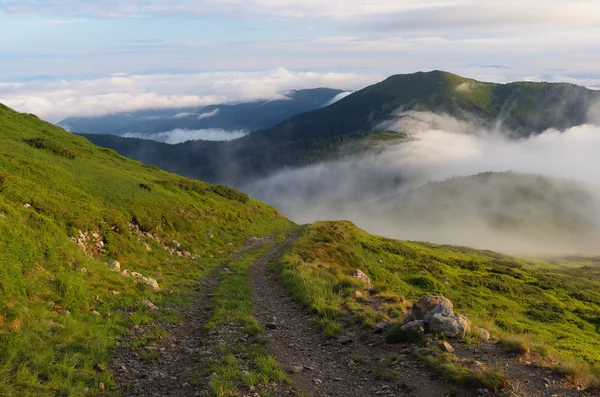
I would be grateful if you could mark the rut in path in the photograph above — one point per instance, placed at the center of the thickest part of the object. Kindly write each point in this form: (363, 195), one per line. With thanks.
(174, 369)
(329, 368)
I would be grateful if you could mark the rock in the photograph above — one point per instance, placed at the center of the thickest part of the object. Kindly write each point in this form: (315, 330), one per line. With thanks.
(297, 369)
(126, 273)
(408, 318)
(358, 294)
(479, 366)
(359, 274)
(95, 235)
(101, 386)
(27, 205)
(451, 326)
(442, 308)
(446, 347)
(380, 327)
(137, 275)
(147, 246)
(95, 313)
(150, 305)
(427, 303)
(482, 333)
(83, 270)
(210, 235)
(113, 292)
(415, 327)
(116, 266)
(344, 340)
(271, 325)
(153, 283)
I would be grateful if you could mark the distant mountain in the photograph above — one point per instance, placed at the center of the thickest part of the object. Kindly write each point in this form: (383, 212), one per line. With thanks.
(522, 108)
(247, 116)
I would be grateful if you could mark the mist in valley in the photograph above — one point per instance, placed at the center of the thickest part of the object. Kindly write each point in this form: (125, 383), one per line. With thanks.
(543, 197)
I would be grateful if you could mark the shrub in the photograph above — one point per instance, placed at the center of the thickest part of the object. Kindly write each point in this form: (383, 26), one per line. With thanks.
(145, 187)
(54, 147)
(397, 335)
(3, 181)
(515, 344)
(229, 193)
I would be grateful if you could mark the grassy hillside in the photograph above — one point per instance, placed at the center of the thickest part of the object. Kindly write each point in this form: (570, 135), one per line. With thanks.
(549, 308)
(67, 206)
(522, 108)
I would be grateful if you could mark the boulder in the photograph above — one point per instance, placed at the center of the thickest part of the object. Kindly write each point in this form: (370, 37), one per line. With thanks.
(427, 303)
(442, 308)
(414, 327)
(362, 276)
(450, 326)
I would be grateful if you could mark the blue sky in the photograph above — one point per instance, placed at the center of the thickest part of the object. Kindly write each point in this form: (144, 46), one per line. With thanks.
(81, 57)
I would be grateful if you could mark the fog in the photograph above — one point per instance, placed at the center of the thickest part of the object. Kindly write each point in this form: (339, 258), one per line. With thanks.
(181, 135)
(382, 191)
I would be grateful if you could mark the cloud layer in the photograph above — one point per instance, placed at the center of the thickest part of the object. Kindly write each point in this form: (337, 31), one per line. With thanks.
(371, 189)
(180, 135)
(56, 100)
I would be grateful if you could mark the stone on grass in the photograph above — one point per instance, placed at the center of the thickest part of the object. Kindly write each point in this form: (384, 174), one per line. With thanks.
(450, 326)
(482, 333)
(414, 327)
(114, 264)
(362, 276)
(427, 303)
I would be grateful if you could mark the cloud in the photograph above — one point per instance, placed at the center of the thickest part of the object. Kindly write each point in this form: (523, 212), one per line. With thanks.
(209, 114)
(181, 135)
(183, 115)
(338, 97)
(373, 188)
(56, 100)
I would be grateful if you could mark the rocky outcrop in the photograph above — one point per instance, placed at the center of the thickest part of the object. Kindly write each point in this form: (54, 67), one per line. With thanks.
(362, 276)
(435, 315)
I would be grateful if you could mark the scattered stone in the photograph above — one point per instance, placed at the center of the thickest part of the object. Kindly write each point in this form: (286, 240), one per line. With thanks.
(317, 381)
(362, 276)
(483, 333)
(137, 275)
(479, 366)
(297, 369)
(151, 283)
(126, 273)
(112, 292)
(150, 305)
(95, 235)
(27, 205)
(83, 270)
(452, 326)
(427, 303)
(271, 325)
(359, 294)
(95, 313)
(101, 386)
(147, 246)
(446, 347)
(415, 327)
(380, 327)
(344, 340)
(116, 266)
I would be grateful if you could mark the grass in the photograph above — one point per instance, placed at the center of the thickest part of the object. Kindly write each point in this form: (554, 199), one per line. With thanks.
(242, 368)
(552, 309)
(54, 184)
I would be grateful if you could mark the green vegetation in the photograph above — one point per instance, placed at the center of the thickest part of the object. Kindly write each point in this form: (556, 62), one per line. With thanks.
(60, 307)
(550, 309)
(243, 367)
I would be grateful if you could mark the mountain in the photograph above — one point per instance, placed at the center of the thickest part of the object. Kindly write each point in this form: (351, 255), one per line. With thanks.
(66, 207)
(247, 116)
(118, 277)
(521, 108)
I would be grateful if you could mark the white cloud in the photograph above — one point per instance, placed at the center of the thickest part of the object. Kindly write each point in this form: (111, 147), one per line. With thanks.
(180, 135)
(56, 100)
(338, 97)
(183, 115)
(209, 114)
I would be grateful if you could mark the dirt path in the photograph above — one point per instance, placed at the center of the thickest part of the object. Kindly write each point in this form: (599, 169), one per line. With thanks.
(169, 366)
(358, 364)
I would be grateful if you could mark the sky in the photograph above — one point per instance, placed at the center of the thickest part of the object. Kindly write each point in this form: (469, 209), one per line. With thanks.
(61, 58)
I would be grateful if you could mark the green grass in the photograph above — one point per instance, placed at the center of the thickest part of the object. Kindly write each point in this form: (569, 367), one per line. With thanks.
(242, 368)
(549, 308)
(54, 184)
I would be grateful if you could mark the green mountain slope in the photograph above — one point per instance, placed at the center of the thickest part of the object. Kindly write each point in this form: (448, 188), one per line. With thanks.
(547, 312)
(67, 206)
(522, 108)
